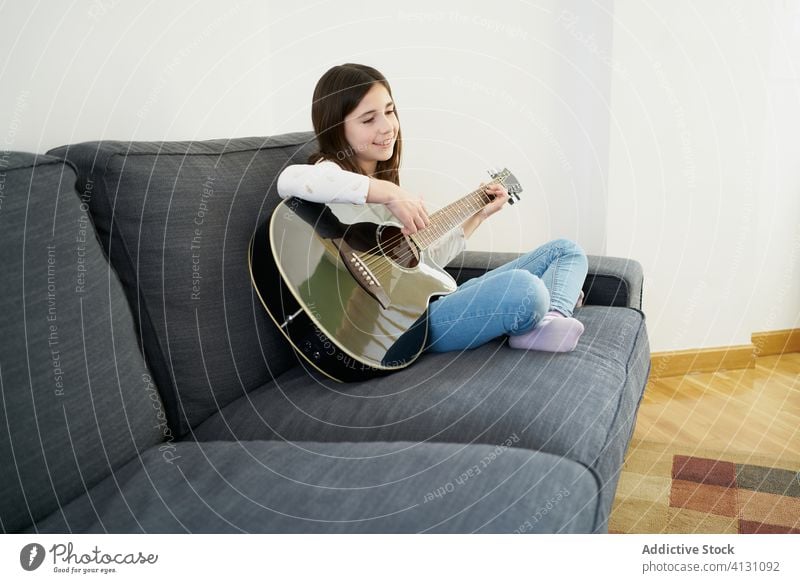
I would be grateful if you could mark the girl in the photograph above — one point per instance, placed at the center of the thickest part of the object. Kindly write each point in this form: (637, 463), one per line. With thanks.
(530, 299)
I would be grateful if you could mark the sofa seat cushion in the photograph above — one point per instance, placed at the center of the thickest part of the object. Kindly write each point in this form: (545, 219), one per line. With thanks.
(279, 487)
(581, 404)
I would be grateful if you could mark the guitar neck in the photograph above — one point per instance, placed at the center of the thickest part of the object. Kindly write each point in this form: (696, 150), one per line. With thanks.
(448, 218)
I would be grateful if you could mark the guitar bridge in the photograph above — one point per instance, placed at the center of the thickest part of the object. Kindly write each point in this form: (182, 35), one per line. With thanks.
(362, 274)
(365, 271)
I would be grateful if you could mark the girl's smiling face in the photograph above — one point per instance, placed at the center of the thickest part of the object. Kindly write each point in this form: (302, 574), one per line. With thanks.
(371, 128)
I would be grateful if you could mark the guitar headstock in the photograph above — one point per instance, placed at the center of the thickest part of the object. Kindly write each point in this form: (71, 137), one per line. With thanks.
(508, 180)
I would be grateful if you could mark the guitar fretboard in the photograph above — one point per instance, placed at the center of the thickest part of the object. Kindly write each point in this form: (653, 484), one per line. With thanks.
(448, 218)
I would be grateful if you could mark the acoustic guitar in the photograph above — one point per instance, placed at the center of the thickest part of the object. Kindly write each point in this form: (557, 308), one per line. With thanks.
(352, 296)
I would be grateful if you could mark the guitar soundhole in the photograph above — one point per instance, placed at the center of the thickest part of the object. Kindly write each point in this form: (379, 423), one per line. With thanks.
(395, 246)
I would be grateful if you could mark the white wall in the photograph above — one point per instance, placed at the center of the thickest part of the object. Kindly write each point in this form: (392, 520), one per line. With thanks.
(688, 168)
(704, 184)
(107, 69)
(95, 69)
(777, 247)
(476, 87)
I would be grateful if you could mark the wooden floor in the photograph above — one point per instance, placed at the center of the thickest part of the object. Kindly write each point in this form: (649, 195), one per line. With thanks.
(741, 411)
(740, 416)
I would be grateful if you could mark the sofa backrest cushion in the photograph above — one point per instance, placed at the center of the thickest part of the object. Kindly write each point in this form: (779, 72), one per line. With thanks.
(77, 400)
(176, 220)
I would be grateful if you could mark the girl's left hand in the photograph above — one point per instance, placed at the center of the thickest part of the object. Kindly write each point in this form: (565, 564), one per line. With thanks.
(500, 195)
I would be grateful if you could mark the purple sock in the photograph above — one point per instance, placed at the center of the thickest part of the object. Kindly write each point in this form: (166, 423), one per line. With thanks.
(553, 333)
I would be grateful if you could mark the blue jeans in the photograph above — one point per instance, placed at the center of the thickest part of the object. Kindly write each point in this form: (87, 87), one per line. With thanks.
(510, 299)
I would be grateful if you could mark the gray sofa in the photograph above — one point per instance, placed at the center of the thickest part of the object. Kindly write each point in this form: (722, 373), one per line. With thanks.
(145, 390)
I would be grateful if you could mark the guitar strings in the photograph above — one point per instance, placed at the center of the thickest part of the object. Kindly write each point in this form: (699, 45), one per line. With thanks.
(371, 253)
(371, 258)
(382, 261)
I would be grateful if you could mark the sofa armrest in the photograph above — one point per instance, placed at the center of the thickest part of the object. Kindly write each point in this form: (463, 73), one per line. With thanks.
(611, 281)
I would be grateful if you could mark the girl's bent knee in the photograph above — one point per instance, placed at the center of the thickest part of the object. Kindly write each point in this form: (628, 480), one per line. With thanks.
(529, 301)
(569, 246)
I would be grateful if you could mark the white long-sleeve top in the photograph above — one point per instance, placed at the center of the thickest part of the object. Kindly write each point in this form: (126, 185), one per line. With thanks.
(327, 182)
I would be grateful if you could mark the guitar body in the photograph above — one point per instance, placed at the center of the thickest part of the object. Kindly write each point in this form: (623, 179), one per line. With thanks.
(351, 298)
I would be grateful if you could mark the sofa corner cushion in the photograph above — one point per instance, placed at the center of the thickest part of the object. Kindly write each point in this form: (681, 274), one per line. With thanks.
(77, 400)
(311, 487)
(176, 220)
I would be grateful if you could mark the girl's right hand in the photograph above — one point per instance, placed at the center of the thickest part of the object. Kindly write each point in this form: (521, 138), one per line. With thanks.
(409, 209)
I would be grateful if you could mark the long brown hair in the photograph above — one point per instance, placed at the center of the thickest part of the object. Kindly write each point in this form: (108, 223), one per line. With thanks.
(338, 92)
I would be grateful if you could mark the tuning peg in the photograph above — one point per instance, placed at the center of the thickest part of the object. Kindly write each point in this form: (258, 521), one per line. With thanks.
(512, 192)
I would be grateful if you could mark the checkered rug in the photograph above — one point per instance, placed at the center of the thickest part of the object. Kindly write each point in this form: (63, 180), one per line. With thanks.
(665, 489)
